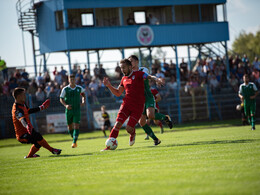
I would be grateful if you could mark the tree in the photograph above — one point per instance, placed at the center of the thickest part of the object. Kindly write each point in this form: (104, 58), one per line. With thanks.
(247, 44)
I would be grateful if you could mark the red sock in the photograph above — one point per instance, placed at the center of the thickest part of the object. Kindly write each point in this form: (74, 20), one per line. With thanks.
(160, 124)
(33, 150)
(114, 133)
(133, 133)
(45, 144)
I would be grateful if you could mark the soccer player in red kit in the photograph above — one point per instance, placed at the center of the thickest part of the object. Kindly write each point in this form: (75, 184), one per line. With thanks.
(133, 103)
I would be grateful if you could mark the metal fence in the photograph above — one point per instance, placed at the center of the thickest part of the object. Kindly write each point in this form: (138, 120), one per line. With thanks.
(182, 107)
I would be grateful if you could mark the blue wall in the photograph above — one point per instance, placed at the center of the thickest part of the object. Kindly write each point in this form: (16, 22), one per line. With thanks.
(89, 38)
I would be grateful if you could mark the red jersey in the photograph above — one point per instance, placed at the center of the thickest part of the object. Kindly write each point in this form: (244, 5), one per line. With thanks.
(155, 92)
(134, 88)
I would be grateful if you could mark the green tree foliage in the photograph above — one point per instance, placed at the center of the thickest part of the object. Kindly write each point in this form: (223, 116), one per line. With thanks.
(247, 44)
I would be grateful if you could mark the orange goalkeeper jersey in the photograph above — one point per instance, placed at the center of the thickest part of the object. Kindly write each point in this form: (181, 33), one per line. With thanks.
(19, 113)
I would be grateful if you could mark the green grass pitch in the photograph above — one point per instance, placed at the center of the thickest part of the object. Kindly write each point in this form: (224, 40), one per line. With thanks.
(192, 159)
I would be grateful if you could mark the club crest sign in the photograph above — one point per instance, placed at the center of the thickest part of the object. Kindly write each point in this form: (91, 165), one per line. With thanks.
(145, 35)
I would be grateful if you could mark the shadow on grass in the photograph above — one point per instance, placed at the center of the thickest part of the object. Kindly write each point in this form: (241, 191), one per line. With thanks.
(212, 142)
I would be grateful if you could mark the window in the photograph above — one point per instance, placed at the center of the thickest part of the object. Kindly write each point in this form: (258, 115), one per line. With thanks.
(59, 20)
(87, 19)
(140, 17)
(208, 13)
(107, 17)
(186, 13)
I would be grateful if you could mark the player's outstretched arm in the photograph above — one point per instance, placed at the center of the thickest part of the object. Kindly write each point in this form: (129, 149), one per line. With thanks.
(158, 81)
(62, 101)
(116, 91)
(44, 106)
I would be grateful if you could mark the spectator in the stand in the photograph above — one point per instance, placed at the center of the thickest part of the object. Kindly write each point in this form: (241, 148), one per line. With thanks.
(5, 88)
(206, 68)
(233, 70)
(58, 78)
(172, 86)
(4, 69)
(224, 79)
(172, 69)
(55, 71)
(160, 74)
(52, 94)
(233, 82)
(184, 70)
(93, 86)
(240, 72)
(40, 95)
(218, 73)
(255, 75)
(130, 20)
(85, 69)
(74, 70)
(118, 71)
(87, 77)
(102, 72)
(237, 60)
(63, 74)
(25, 75)
(245, 60)
(79, 78)
(256, 64)
(32, 87)
(211, 63)
(47, 77)
(165, 68)
(12, 84)
(96, 71)
(39, 79)
(153, 20)
(214, 85)
(17, 75)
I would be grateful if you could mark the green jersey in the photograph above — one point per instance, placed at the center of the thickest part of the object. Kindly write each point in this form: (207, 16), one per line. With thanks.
(72, 97)
(147, 91)
(248, 90)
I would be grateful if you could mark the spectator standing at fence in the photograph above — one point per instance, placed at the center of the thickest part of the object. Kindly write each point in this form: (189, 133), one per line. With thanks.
(24, 130)
(233, 82)
(40, 95)
(32, 87)
(172, 86)
(58, 78)
(256, 64)
(93, 86)
(118, 71)
(55, 71)
(184, 70)
(214, 84)
(72, 97)
(39, 79)
(102, 72)
(247, 93)
(47, 77)
(4, 69)
(25, 75)
(96, 71)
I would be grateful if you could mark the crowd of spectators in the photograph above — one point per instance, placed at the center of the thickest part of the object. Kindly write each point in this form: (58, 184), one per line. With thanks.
(46, 86)
(206, 72)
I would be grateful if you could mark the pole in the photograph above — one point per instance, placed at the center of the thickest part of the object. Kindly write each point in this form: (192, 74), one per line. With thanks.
(34, 56)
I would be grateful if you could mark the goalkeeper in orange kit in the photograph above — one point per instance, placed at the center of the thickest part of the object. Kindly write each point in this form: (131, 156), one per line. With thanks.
(24, 130)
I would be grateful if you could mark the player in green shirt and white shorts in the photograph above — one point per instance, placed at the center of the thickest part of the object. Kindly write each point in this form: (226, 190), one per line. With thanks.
(70, 97)
(247, 93)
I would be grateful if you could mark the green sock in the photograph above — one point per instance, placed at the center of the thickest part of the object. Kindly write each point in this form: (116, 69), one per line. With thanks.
(149, 131)
(252, 121)
(159, 116)
(75, 135)
(70, 132)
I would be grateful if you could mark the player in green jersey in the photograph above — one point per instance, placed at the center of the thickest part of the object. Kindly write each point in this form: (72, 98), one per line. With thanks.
(70, 97)
(247, 93)
(150, 104)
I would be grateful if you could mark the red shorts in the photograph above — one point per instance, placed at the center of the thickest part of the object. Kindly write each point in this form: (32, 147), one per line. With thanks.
(133, 112)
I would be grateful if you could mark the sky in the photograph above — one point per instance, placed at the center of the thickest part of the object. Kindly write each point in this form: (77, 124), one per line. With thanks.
(241, 15)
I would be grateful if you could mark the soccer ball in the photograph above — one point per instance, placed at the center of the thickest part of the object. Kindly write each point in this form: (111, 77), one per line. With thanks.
(238, 107)
(111, 143)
